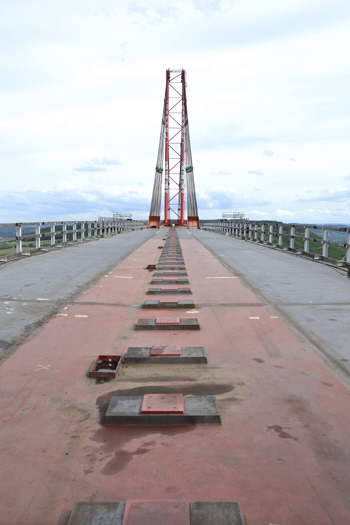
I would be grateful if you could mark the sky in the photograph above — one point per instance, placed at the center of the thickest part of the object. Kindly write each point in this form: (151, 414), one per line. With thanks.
(82, 88)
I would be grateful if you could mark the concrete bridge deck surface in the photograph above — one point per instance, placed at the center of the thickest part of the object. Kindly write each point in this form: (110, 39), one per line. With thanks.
(34, 288)
(283, 448)
(313, 298)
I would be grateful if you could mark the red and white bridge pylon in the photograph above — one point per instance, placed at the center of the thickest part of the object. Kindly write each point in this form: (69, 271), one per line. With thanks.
(174, 153)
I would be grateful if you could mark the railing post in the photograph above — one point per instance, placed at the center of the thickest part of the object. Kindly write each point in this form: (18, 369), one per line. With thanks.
(271, 234)
(280, 235)
(19, 239)
(64, 232)
(324, 243)
(37, 236)
(256, 232)
(307, 240)
(262, 236)
(292, 240)
(82, 232)
(250, 228)
(52, 234)
(348, 248)
(74, 231)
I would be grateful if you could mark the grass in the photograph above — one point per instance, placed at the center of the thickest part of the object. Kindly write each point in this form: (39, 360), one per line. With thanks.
(335, 252)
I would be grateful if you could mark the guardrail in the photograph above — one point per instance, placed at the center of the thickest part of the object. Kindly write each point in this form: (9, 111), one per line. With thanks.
(30, 237)
(328, 243)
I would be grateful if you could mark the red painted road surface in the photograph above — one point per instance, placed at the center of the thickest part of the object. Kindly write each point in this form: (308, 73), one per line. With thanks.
(284, 444)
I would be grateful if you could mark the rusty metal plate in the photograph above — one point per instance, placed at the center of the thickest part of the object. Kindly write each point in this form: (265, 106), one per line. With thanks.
(167, 320)
(166, 351)
(165, 302)
(141, 512)
(163, 404)
(169, 290)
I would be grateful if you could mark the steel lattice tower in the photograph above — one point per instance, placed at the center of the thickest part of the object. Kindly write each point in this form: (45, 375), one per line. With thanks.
(175, 152)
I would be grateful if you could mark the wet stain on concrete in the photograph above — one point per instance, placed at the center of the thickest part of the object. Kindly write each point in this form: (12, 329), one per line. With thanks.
(319, 431)
(113, 439)
(232, 399)
(120, 460)
(278, 366)
(159, 378)
(258, 360)
(281, 433)
(327, 384)
(73, 411)
(112, 445)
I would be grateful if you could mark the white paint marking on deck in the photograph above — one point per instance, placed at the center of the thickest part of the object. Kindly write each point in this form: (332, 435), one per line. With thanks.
(80, 316)
(123, 277)
(65, 308)
(274, 317)
(41, 367)
(9, 313)
(6, 302)
(222, 277)
(192, 312)
(254, 317)
(62, 315)
(42, 299)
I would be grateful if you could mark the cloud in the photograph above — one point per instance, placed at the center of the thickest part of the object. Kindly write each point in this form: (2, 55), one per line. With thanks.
(97, 165)
(292, 159)
(218, 198)
(254, 172)
(151, 12)
(210, 6)
(342, 194)
(222, 172)
(268, 153)
(66, 203)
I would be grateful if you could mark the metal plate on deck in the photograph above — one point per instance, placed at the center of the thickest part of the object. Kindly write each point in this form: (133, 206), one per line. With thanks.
(163, 404)
(167, 320)
(165, 351)
(141, 512)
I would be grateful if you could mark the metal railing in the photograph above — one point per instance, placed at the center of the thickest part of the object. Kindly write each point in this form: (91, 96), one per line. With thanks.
(30, 237)
(328, 243)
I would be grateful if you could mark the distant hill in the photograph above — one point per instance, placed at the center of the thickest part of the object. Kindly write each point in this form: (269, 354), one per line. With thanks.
(10, 231)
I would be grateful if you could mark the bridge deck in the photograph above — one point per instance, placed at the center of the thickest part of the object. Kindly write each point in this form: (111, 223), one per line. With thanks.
(283, 447)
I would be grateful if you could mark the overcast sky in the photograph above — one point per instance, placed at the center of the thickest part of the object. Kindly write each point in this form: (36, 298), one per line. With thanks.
(82, 87)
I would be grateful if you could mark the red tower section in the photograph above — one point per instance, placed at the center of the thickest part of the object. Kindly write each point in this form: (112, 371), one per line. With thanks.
(175, 149)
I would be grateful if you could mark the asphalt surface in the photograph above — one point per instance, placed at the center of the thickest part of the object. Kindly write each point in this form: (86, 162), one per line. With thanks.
(32, 289)
(313, 298)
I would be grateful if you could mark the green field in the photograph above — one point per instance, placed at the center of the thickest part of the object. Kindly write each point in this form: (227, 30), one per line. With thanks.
(335, 252)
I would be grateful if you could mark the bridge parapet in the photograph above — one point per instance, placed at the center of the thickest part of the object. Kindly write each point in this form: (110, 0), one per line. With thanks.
(24, 238)
(328, 243)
